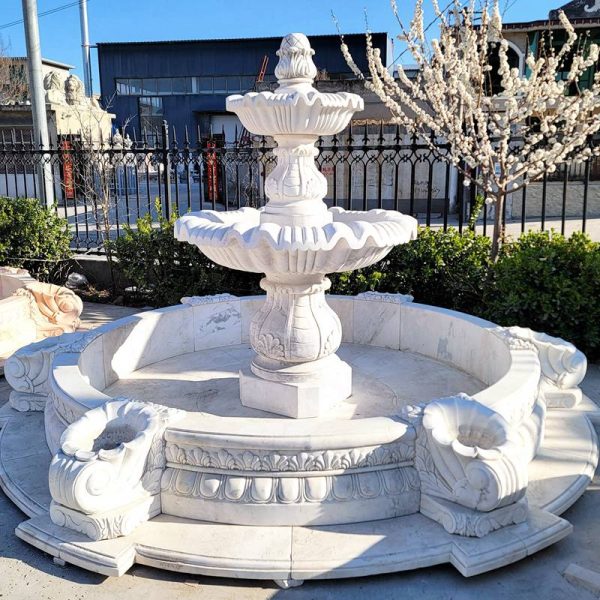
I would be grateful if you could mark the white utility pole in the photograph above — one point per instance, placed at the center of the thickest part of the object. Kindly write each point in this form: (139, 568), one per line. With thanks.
(38, 100)
(85, 48)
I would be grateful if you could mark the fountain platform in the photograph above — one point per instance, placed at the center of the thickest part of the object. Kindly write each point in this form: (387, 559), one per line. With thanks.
(243, 493)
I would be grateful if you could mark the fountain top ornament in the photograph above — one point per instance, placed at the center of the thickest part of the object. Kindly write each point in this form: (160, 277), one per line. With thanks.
(295, 240)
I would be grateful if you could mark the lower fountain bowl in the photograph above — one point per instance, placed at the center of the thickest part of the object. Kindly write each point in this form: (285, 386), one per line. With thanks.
(353, 240)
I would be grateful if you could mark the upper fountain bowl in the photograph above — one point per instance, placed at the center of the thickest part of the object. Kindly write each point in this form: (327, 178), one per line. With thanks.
(296, 107)
(287, 111)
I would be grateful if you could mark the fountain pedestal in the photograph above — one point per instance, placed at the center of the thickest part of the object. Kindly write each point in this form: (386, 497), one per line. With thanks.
(295, 335)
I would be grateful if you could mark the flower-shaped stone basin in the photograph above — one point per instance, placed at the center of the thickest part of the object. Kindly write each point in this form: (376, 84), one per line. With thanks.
(291, 111)
(354, 239)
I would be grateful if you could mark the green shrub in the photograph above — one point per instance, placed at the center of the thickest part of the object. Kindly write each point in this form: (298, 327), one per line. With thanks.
(445, 268)
(164, 270)
(32, 237)
(549, 283)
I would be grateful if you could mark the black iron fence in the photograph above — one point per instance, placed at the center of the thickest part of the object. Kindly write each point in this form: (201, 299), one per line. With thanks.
(103, 186)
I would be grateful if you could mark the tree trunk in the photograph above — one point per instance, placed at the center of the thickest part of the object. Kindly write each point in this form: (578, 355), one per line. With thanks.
(498, 236)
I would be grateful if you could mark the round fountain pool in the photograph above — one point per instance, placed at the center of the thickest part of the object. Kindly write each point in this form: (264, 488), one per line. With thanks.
(228, 490)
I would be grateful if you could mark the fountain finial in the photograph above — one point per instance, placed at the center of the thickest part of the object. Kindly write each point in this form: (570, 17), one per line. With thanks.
(295, 60)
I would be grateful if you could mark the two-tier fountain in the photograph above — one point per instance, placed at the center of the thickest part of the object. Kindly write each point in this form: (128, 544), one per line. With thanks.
(296, 241)
(417, 435)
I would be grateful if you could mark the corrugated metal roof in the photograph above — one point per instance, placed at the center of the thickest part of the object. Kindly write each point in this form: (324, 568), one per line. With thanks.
(546, 24)
(45, 61)
(244, 39)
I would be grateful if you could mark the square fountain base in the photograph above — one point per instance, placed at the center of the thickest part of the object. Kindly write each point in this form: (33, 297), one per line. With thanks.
(302, 400)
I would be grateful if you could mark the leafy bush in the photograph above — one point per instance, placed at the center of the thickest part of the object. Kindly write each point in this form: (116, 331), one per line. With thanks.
(445, 268)
(32, 237)
(549, 283)
(164, 270)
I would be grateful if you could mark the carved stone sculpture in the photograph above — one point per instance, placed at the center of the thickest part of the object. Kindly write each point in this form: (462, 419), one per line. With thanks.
(74, 91)
(31, 310)
(105, 479)
(28, 372)
(469, 460)
(563, 366)
(54, 309)
(54, 85)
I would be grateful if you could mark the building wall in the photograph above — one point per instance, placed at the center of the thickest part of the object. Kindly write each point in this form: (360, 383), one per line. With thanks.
(208, 58)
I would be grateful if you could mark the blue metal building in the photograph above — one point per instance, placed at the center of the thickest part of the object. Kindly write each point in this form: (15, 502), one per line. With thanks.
(186, 82)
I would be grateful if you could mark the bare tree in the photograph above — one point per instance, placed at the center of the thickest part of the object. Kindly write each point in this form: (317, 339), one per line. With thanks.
(504, 129)
(97, 157)
(13, 78)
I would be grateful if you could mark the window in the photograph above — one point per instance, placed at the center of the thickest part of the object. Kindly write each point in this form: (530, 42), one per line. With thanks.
(163, 86)
(170, 86)
(220, 85)
(203, 85)
(181, 85)
(233, 84)
(152, 106)
(247, 83)
(135, 87)
(149, 87)
(122, 87)
(151, 117)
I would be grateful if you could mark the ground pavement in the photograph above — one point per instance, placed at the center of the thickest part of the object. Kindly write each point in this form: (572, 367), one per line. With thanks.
(29, 574)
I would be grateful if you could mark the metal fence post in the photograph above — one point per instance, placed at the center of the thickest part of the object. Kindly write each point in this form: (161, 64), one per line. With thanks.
(166, 162)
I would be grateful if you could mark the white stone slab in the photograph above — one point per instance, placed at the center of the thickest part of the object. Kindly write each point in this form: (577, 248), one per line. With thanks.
(154, 336)
(343, 306)
(582, 577)
(455, 338)
(217, 324)
(377, 323)
(298, 553)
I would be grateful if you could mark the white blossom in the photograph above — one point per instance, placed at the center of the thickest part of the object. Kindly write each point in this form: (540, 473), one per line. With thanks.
(501, 139)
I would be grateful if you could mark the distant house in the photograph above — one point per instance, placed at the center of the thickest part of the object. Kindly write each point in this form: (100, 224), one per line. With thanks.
(15, 109)
(529, 37)
(186, 82)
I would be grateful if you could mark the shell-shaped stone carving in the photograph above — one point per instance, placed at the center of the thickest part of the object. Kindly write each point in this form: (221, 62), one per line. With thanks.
(562, 364)
(295, 107)
(470, 455)
(237, 239)
(102, 457)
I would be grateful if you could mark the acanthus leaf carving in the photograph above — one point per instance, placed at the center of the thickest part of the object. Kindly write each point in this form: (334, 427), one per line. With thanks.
(319, 461)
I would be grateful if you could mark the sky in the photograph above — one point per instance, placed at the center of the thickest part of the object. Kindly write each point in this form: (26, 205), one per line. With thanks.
(137, 20)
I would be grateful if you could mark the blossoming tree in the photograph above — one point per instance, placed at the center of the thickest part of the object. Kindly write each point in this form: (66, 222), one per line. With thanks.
(501, 137)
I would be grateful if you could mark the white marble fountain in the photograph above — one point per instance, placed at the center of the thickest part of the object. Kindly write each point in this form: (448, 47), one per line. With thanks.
(297, 435)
